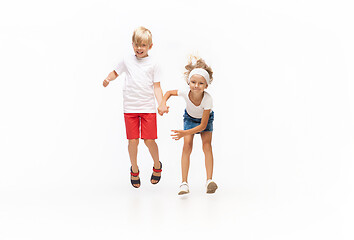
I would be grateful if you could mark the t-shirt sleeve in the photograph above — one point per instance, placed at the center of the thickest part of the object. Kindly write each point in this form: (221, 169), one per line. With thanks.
(181, 93)
(208, 104)
(157, 73)
(120, 67)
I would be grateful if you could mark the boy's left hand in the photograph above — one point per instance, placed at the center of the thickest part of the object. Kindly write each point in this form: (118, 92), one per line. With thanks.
(177, 134)
(162, 109)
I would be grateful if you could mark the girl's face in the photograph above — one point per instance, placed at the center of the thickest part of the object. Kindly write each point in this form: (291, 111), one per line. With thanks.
(198, 83)
(141, 50)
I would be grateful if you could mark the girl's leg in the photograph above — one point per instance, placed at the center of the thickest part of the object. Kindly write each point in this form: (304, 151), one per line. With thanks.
(133, 153)
(208, 152)
(186, 153)
(154, 152)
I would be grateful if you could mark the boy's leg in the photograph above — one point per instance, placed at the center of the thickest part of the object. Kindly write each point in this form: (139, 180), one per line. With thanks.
(186, 153)
(149, 134)
(132, 122)
(133, 153)
(208, 152)
(154, 152)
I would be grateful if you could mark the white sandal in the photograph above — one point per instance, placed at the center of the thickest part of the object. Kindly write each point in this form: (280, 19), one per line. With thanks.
(183, 189)
(211, 186)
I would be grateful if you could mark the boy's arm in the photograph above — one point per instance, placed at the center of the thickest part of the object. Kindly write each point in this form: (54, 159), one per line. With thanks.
(162, 107)
(177, 134)
(158, 92)
(111, 76)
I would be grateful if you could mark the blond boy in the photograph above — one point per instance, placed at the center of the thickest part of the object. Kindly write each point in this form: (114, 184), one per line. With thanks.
(141, 87)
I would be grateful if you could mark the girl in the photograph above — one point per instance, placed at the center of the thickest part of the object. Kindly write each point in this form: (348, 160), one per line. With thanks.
(198, 119)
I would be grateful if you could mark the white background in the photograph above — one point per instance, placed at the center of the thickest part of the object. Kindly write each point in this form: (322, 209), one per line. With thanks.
(283, 131)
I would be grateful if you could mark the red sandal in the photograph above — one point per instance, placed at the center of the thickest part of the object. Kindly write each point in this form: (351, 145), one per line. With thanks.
(134, 181)
(157, 178)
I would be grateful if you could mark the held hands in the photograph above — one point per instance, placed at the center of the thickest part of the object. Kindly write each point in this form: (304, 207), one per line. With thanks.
(106, 82)
(163, 109)
(177, 134)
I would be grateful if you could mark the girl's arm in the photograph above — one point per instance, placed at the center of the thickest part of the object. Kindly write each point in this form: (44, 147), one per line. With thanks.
(111, 76)
(168, 94)
(162, 107)
(177, 134)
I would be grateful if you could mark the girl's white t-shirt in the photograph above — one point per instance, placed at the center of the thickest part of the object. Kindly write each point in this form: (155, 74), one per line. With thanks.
(193, 110)
(138, 89)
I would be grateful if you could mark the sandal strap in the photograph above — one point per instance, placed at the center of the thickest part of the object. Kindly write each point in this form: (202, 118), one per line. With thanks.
(135, 181)
(153, 177)
(133, 173)
(157, 170)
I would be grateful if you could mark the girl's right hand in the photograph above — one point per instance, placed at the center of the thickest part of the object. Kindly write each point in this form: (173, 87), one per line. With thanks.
(105, 82)
(178, 134)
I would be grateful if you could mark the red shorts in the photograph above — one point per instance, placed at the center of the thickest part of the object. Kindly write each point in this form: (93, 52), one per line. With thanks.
(141, 122)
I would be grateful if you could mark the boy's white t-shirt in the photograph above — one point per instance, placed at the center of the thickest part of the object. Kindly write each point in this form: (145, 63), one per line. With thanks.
(138, 89)
(193, 110)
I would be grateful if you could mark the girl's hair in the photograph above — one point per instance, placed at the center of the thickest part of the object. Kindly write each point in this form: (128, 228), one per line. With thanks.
(142, 35)
(197, 62)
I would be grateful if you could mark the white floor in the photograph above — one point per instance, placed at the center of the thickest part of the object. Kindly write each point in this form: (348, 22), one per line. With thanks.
(118, 211)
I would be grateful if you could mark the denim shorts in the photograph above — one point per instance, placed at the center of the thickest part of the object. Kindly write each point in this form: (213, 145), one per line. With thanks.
(191, 122)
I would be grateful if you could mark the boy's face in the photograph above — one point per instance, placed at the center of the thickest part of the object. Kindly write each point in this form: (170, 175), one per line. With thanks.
(141, 50)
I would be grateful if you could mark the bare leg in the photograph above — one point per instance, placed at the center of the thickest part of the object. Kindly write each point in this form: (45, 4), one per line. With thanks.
(208, 152)
(186, 153)
(154, 152)
(133, 153)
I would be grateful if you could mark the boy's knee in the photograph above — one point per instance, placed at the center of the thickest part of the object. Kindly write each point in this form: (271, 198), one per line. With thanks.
(149, 142)
(134, 142)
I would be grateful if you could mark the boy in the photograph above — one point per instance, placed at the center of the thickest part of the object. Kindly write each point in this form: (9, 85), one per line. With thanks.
(142, 82)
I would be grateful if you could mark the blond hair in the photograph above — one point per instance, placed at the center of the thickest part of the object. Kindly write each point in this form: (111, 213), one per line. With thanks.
(197, 62)
(142, 35)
